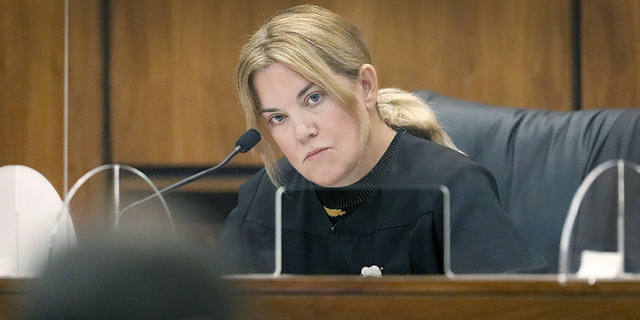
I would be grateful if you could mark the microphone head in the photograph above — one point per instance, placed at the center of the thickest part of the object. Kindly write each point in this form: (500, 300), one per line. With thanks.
(248, 140)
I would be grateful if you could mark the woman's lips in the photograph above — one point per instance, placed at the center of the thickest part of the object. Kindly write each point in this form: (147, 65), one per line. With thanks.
(315, 153)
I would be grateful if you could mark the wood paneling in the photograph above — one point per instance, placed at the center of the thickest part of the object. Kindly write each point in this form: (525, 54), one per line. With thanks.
(31, 96)
(85, 88)
(174, 100)
(611, 54)
(409, 297)
(32, 83)
(429, 297)
(85, 112)
(512, 53)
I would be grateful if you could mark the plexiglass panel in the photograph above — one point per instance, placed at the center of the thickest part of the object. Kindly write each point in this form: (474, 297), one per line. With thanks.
(600, 238)
(396, 230)
(98, 194)
(482, 240)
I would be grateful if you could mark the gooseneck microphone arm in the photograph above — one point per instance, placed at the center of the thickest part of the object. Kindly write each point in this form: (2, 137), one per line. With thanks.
(245, 143)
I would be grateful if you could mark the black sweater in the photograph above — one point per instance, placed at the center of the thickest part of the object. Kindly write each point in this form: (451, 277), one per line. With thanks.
(400, 227)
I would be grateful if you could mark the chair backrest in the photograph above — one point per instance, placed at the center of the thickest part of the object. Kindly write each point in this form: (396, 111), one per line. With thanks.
(539, 157)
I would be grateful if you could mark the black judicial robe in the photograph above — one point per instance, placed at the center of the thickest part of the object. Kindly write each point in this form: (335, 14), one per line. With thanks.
(399, 227)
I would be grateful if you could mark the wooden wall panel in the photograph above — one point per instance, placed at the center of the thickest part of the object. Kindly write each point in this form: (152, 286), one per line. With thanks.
(85, 88)
(174, 100)
(85, 113)
(513, 53)
(172, 70)
(32, 81)
(31, 46)
(611, 54)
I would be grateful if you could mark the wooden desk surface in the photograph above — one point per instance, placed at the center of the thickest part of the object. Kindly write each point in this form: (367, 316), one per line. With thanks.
(411, 297)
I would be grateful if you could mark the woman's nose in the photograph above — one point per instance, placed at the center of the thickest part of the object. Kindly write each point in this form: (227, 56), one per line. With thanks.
(305, 129)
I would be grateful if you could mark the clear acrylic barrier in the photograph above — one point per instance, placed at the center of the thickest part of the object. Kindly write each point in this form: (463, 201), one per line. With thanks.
(301, 237)
(97, 197)
(600, 238)
(254, 249)
(481, 241)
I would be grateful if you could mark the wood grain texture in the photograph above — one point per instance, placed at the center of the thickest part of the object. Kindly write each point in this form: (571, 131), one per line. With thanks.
(85, 113)
(428, 297)
(32, 82)
(512, 53)
(173, 93)
(611, 53)
(85, 88)
(174, 100)
(31, 94)
(410, 297)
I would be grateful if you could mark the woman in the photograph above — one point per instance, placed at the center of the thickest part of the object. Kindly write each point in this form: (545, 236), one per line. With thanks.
(368, 159)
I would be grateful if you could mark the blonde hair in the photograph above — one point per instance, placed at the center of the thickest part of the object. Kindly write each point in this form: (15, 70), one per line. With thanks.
(322, 47)
(403, 110)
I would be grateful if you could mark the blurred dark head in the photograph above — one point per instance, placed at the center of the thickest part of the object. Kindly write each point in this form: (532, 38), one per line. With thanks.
(129, 279)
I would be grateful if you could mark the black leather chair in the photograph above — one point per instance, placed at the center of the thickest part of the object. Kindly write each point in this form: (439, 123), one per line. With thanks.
(539, 157)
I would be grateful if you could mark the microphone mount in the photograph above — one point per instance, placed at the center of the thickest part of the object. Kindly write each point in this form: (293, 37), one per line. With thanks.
(245, 143)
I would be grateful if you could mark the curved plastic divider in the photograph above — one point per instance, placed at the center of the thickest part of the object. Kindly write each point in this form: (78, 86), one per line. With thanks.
(278, 224)
(277, 272)
(64, 211)
(567, 230)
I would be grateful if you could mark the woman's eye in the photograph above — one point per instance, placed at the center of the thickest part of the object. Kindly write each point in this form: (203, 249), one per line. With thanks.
(276, 119)
(315, 97)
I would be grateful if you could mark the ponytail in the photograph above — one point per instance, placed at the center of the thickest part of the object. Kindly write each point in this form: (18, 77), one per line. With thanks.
(403, 110)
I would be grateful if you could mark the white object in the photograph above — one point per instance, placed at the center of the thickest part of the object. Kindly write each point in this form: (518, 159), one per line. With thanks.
(373, 271)
(589, 258)
(600, 265)
(29, 206)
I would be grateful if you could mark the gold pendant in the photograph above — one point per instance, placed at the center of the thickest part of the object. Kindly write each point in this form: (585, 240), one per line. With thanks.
(334, 212)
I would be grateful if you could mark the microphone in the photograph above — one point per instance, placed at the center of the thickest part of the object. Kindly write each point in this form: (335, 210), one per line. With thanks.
(246, 142)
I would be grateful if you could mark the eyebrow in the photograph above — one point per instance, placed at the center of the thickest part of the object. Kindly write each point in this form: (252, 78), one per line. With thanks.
(300, 94)
(269, 110)
(305, 89)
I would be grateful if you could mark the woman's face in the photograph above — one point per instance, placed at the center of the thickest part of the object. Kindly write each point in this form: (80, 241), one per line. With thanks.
(319, 138)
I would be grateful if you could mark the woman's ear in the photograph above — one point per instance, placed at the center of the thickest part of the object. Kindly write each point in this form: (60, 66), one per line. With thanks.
(369, 83)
